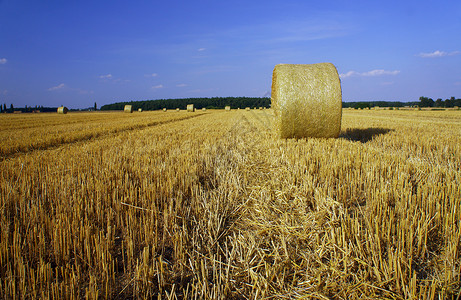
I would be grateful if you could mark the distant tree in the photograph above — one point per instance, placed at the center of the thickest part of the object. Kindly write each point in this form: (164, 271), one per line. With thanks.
(4, 107)
(95, 106)
(426, 102)
(11, 108)
(1, 108)
(439, 103)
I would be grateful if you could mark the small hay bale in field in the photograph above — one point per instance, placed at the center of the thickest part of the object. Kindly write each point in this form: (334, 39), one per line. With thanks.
(247, 108)
(227, 108)
(306, 100)
(62, 110)
(177, 109)
(190, 107)
(164, 109)
(260, 108)
(140, 109)
(204, 108)
(128, 109)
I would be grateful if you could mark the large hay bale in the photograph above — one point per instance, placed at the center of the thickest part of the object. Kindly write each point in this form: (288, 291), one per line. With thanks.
(62, 110)
(190, 107)
(128, 109)
(306, 100)
(227, 108)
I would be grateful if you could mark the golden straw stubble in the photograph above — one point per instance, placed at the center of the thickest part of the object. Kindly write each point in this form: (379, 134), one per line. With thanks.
(306, 100)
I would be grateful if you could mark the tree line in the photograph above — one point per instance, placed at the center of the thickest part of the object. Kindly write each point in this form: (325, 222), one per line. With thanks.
(199, 103)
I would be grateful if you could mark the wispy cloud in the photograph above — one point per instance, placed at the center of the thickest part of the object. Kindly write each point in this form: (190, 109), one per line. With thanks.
(378, 72)
(201, 49)
(438, 53)
(181, 85)
(151, 75)
(3, 61)
(157, 86)
(58, 87)
(107, 76)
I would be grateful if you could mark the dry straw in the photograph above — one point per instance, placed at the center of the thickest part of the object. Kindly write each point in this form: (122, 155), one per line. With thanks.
(62, 110)
(227, 108)
(128, 109)
(247, 108)
(306, 100)
(204, 108)
(140, 109)
(164, 109)
(190, 107)
(177, 109)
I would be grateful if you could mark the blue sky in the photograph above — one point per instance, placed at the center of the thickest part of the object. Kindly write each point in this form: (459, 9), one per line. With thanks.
(75, 53)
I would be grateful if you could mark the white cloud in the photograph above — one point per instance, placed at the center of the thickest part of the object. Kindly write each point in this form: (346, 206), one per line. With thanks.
(201, 49)
(58, 87)
(151, 75)
(3, 61)
(438, 53)
(158, 86)
(181, 85)
(108, 76)
(378, 72)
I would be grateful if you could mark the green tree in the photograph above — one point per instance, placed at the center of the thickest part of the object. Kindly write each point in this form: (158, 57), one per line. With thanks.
(95, 106)
(439, 103)
(11, 108)
(426, 102)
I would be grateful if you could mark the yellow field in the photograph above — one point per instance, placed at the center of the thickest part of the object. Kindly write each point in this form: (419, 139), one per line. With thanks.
(209, 205)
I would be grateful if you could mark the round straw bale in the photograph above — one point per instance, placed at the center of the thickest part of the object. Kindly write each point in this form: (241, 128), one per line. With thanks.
(140, 109)
(128, 109)
(62, 110)
(164, 109)
(227, 108)
(204, 108)
(177, 109)
(190, 107)
(306, 100)
(247, 108)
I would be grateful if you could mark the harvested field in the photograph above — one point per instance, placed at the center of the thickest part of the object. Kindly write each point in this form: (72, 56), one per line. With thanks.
(213, 206)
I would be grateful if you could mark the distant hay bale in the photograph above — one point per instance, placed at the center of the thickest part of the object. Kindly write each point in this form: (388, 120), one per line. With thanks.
(247, 108)
(140, 109)
(128, 109)
(260, 108)
(177, 109)
(227, 108)
(190, 107)
(62, 110)
(164, 109)
(204, 108)
(306, 100)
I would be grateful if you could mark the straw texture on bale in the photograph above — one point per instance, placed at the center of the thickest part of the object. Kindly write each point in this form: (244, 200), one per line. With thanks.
(128, 109)
(306, 100)
(227, 108)
(62, 110)
(190, 107)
